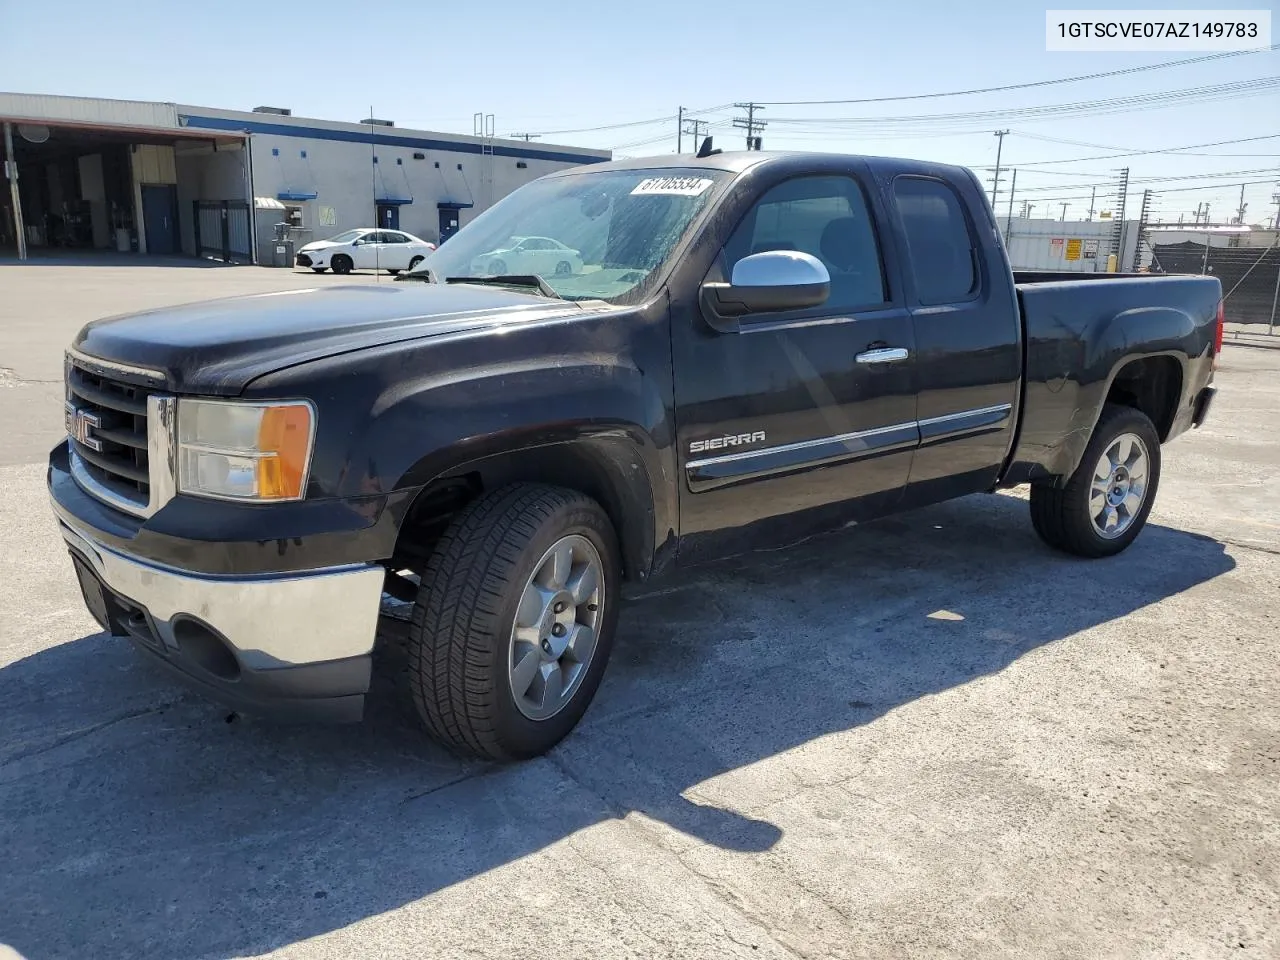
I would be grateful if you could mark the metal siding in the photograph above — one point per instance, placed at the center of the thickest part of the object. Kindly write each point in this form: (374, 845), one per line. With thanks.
(343, 176)
(320, 130)
(1029, 243)
(35, 106)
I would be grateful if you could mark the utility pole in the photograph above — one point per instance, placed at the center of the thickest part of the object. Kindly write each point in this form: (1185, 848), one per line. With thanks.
(1093, 193)
(11, 168)
(1000, 135)
(696, 128)
(750, 124)
(1008, 220)
(1030, 208)
(1063, 218)
(1241, 209)
(680, 130)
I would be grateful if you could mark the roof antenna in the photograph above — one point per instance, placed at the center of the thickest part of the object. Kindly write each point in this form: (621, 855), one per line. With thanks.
(705, 150)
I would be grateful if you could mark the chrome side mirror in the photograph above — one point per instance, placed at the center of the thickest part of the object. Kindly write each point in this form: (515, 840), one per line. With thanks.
(767, 282)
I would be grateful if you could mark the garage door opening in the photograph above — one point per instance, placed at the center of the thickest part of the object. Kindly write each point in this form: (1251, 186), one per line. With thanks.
(86, 188)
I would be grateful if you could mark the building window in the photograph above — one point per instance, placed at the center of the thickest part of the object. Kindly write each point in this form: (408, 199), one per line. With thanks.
(421, 156)
(521, 165)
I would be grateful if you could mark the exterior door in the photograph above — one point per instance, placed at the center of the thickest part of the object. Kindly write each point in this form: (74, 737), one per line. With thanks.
(389, 216)
(160, 217)
(803, 416)
(448, 223)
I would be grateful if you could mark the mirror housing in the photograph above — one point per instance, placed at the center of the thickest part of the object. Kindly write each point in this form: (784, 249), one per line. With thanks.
(767, 282)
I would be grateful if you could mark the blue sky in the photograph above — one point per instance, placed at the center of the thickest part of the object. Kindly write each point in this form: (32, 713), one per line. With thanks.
(572, 64)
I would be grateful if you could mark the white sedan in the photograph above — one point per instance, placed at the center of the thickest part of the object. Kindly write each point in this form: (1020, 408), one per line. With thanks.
(542, 256)
(365, 249)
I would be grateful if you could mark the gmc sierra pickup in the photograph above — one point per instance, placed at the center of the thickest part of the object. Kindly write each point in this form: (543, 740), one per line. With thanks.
(685, 357)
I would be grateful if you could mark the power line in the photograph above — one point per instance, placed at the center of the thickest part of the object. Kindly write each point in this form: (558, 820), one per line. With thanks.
(1129, 152)
(1201, 94)
(1018, 86)
(631, 123)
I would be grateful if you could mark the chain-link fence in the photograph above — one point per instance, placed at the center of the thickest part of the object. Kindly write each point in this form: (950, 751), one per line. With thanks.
(1250, 276)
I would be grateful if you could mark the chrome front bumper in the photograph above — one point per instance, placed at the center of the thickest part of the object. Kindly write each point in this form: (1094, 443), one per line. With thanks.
(254, 642)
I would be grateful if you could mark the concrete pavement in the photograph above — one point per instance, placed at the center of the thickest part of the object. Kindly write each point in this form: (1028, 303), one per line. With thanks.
(929, 736)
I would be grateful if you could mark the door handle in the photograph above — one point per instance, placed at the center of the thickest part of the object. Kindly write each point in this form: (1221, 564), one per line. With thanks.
(883, 355)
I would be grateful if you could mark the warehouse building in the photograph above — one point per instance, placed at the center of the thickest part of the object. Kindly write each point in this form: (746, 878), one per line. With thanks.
(165, 178)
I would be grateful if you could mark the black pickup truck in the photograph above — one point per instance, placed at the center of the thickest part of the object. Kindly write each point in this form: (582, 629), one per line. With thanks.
(614, 372)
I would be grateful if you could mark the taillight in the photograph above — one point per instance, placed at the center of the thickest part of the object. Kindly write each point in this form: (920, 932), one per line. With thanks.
(1222, 320)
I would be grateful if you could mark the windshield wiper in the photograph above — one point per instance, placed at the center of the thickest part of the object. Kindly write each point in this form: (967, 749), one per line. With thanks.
(424, 275)
(512, 280)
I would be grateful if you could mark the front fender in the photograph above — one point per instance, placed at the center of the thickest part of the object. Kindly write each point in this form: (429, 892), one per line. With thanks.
(395, 418)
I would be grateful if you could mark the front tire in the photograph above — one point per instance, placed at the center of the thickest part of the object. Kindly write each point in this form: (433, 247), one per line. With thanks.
(1105, 504)
(514, 621)
(341, 264)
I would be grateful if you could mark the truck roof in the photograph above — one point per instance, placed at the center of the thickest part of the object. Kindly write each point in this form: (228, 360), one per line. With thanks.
(737, 161)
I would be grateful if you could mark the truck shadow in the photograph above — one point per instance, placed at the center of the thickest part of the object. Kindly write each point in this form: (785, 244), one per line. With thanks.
(139, 822)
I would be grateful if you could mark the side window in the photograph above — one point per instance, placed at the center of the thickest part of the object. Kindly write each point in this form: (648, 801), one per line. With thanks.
(395, 238)
(939, 242)
(823, 216)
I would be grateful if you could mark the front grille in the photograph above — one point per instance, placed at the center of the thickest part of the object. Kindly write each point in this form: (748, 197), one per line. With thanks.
(304, 260)
(107, 424)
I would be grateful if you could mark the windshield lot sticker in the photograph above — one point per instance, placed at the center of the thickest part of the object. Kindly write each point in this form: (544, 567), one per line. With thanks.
(671, 187)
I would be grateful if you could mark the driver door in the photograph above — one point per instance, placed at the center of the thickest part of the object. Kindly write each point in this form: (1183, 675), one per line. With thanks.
(798, 420)
(367, 253)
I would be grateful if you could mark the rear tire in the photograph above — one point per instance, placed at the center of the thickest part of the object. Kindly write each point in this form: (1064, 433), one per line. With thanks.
(1099, 513)
(498, 268)
(414, 262)
(341, 264)
(467, 649)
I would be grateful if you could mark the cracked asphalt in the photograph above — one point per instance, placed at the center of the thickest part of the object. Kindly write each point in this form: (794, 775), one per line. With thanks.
(925, 737)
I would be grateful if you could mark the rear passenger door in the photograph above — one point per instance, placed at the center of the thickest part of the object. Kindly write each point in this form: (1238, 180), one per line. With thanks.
(395, 250)
(801, 416)
(968, 335)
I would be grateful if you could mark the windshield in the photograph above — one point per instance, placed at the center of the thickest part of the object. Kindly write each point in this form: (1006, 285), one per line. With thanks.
(345, 237)
(590, 236)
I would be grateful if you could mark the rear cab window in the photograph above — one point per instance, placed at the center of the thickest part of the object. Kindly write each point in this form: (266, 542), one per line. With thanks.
(940, 240)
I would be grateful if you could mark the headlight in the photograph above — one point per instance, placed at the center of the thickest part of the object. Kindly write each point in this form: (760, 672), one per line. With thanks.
(234, 450)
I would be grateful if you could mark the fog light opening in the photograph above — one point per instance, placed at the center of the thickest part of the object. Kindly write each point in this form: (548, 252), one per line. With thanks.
(206, 649)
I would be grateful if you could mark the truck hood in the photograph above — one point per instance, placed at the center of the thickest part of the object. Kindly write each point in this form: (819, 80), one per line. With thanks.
(219, 346)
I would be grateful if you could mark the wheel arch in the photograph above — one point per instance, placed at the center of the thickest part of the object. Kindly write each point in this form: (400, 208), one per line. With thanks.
(609, 467)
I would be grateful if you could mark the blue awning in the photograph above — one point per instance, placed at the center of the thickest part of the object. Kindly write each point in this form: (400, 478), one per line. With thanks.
(393, 201)
(296, 195)
(454, 205)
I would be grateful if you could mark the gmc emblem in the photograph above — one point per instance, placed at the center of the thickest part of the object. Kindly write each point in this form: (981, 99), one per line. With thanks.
(80, 427)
